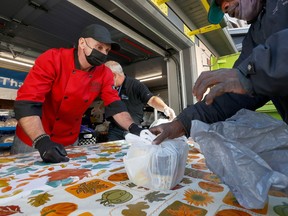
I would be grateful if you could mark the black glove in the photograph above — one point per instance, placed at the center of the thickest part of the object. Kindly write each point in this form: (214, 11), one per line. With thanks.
(50, 152)
(135, 129)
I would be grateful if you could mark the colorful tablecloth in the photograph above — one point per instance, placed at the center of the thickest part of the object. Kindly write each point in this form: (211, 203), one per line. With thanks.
(94, 182)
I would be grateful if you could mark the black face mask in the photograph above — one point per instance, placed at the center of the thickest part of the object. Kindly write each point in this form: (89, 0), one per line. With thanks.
(96, 58)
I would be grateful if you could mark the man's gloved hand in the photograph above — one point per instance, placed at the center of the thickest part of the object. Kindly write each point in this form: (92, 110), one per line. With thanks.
(50, 151)
(169, 112)
(169, 130)
(135, 129)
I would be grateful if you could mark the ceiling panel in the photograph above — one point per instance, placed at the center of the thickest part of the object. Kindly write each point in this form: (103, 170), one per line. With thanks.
(219, 39)
(31, 29)
(28, 28)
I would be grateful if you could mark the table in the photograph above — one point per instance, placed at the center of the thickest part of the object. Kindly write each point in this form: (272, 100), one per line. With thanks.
(94, 182)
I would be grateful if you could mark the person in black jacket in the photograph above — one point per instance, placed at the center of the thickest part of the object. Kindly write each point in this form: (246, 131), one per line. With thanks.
(260, 73)
(135, 95)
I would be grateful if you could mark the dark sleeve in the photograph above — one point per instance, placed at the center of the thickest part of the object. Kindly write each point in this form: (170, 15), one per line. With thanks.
(247, 47)
(222, 108)
(143, 91)
(114, 108)
(27, 108)
(266, 67)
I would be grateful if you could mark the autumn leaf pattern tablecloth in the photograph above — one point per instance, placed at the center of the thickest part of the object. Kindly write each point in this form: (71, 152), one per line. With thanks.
(94, 182)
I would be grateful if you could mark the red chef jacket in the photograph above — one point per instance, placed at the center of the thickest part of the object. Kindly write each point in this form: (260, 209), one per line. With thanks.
(66, 93)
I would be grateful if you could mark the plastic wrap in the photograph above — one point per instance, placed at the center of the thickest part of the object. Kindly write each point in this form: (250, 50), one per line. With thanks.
(248, 152)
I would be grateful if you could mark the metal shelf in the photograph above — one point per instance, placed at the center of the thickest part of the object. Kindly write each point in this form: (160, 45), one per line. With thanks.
(7, 129)
(9, 144)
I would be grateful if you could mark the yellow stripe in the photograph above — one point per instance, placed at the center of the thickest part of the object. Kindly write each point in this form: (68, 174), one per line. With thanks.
(204, 29)
(205, 4)
(186, 32)
(161, 6)
(159, 2)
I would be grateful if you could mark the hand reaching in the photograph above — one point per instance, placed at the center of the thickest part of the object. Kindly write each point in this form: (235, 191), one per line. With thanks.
(219, 81)
(169, 112)
(169, 130)
(135, 129)
(50, 151)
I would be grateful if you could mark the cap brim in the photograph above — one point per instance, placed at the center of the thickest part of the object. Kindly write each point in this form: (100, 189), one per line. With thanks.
(215, 14)
(101, 34)
(115, 46)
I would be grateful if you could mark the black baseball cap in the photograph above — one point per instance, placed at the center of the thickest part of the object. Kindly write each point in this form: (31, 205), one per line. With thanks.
(101, 34)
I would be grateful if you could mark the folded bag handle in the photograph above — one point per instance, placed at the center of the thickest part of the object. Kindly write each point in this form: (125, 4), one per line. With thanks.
(147, 135)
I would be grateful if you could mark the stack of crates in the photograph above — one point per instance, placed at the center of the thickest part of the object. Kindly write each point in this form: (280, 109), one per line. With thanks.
(228, 62)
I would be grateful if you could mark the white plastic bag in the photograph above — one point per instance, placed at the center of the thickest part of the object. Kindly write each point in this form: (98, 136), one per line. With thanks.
(158, 122)
(248, 152)
(158, 167)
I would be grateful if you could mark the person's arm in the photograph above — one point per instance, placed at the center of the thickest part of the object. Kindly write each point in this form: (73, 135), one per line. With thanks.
(28, 107)
(28, 115)
(118, 111)
(49, 151)
(160, 105)
(266, 67)
(32, 126)
(146, 97)
(123, 119)
(263, 72)
(223, 107)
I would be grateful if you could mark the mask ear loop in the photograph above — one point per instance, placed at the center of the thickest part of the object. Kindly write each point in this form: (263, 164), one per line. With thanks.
(87, 44)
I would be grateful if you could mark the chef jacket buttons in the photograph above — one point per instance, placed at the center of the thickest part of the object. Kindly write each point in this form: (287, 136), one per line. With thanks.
(71, 133)
(85, 101)
(65, 97)
(74, 72)
(57, 119)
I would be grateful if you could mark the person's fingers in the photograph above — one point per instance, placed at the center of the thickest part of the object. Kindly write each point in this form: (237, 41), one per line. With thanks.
(57, 158)
(155, 130)
(202, 84)
(51, 157)
(196, 87)
(160, 138)
(214, 92)
(173, 115)
(54, 156)
(160, 132)
(65, 159)
(61, 150)
(200, 79)
(167, 131)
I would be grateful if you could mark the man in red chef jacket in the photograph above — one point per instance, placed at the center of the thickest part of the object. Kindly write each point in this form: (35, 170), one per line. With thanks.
(58, 90)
